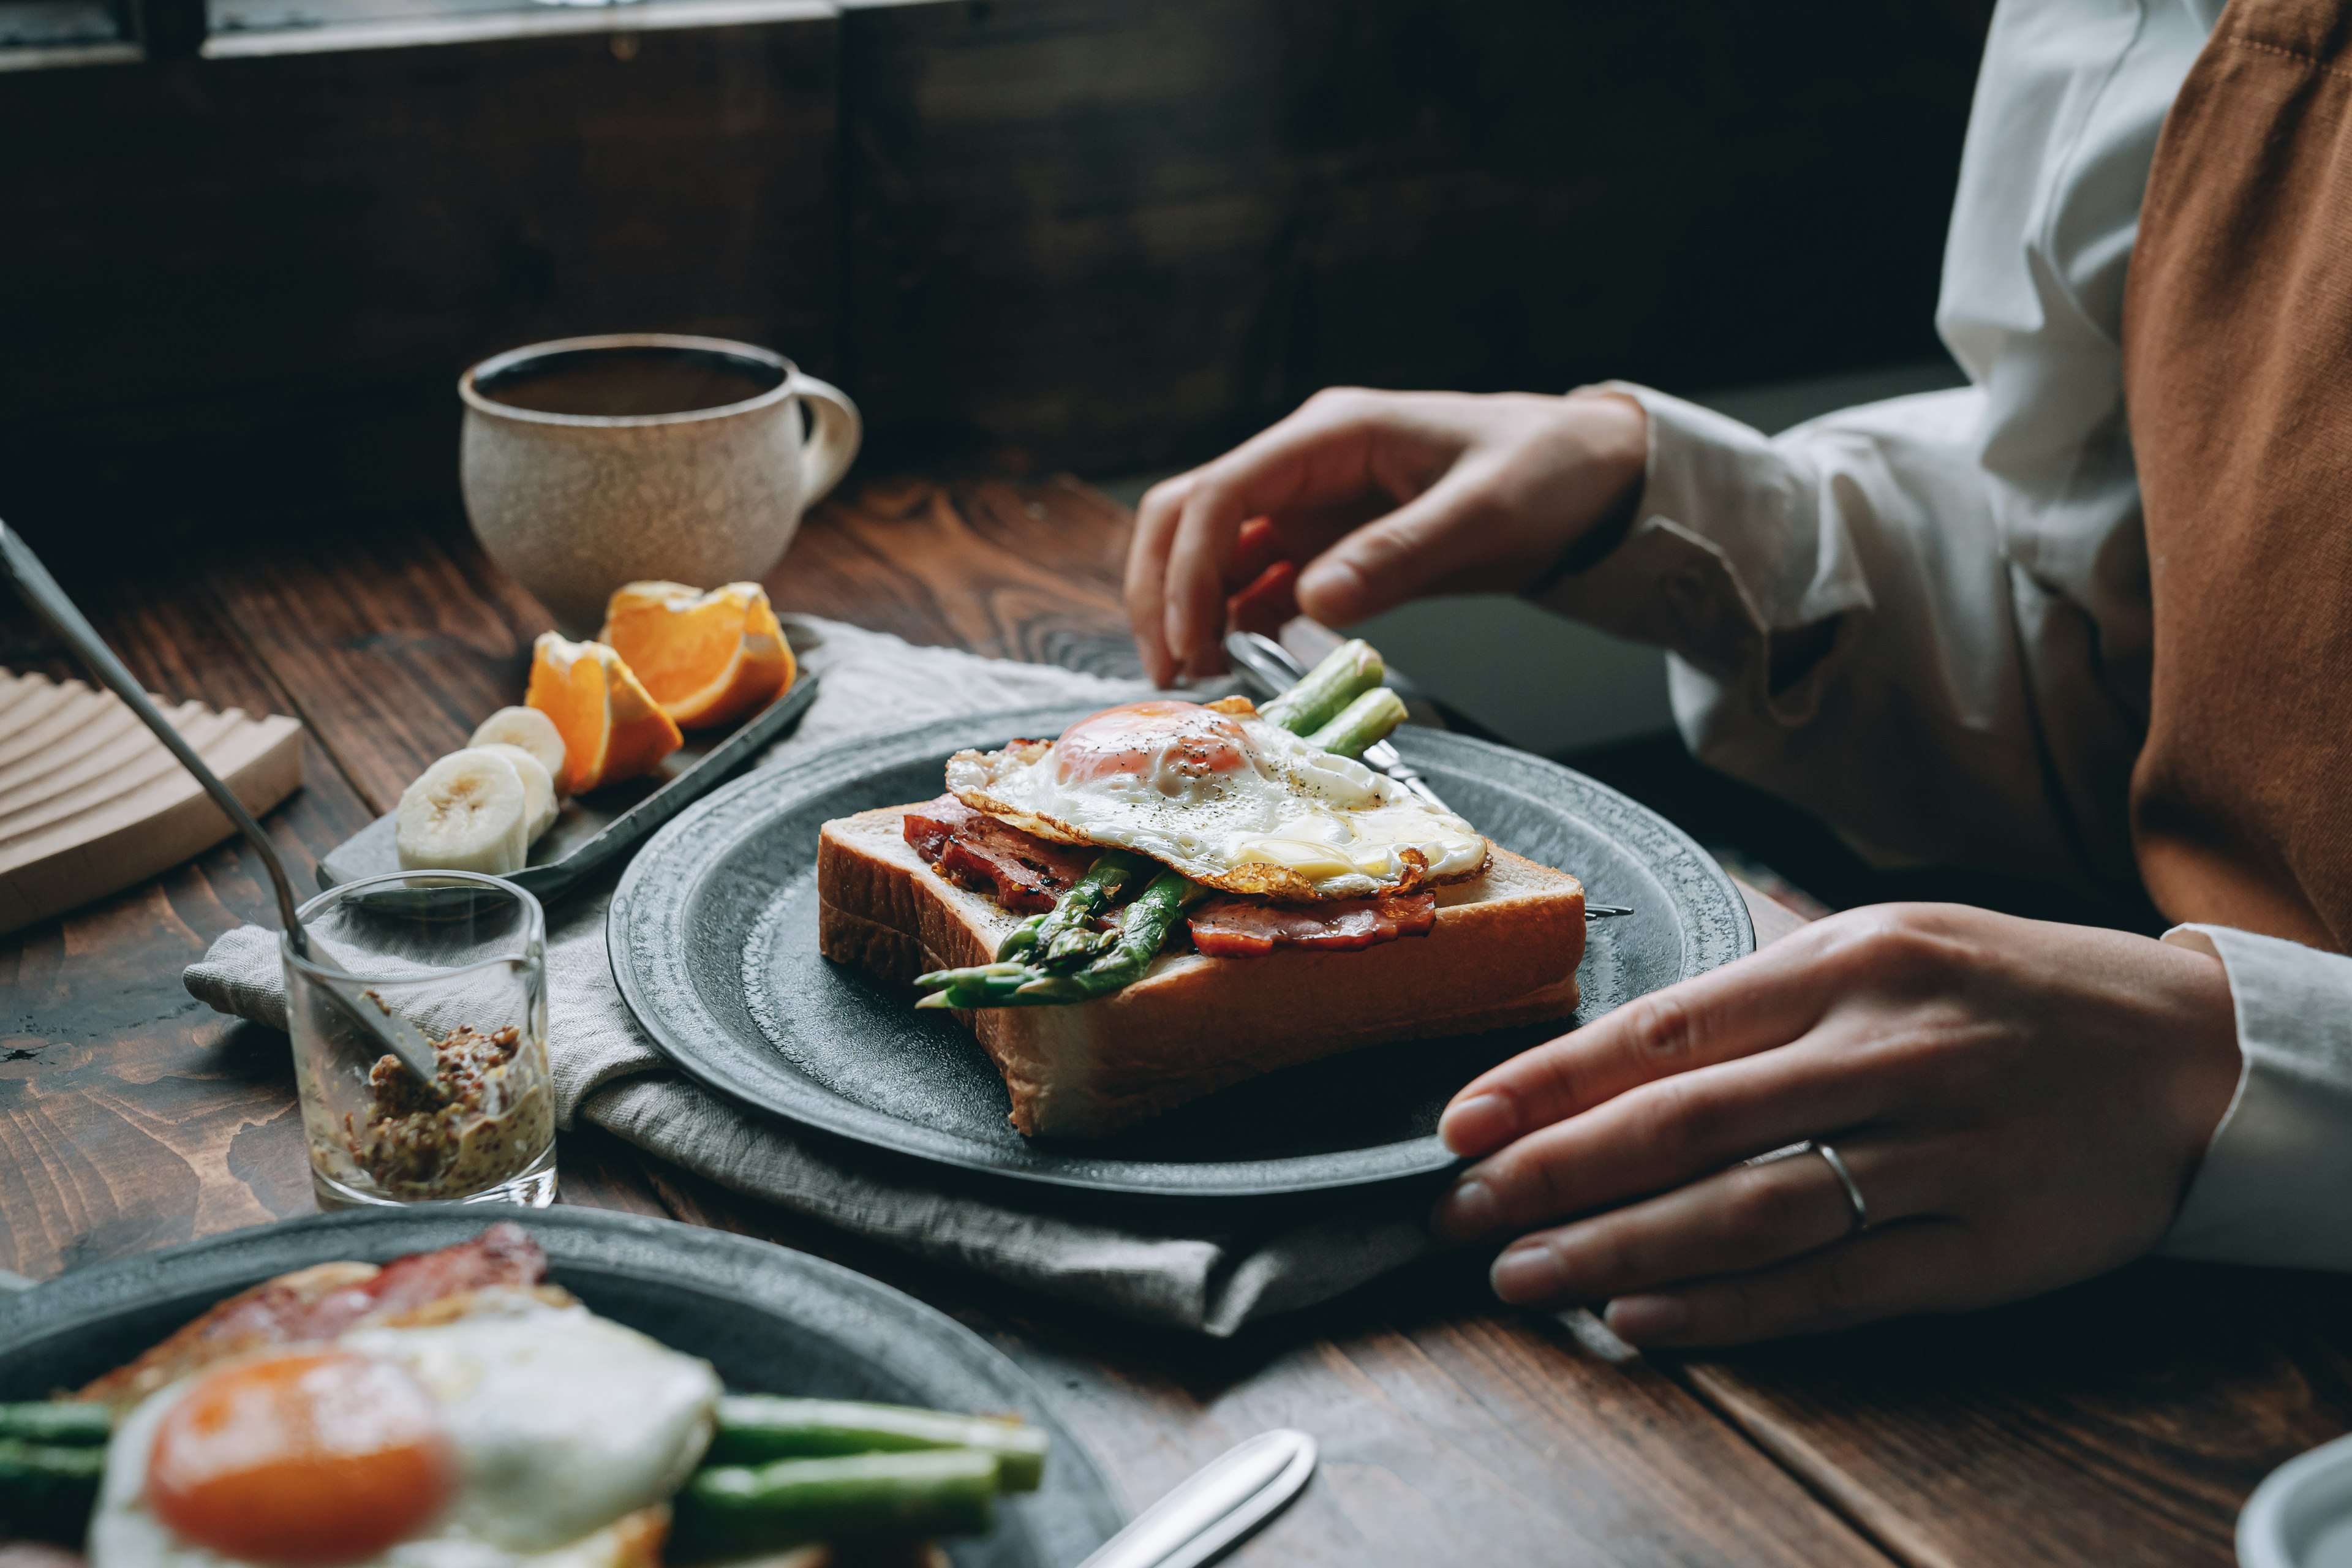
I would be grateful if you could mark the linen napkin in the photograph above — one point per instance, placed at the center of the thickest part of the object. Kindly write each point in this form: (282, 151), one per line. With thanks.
(1206, 1267)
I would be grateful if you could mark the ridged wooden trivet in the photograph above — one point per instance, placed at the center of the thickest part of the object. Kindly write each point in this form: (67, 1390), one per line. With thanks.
(90, 802)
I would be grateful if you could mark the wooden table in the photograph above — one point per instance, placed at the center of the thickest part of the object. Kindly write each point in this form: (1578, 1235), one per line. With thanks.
(2122, 1422)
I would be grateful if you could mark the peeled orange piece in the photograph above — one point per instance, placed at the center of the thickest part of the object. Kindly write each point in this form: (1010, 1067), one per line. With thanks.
(612, 730)
(707, 658)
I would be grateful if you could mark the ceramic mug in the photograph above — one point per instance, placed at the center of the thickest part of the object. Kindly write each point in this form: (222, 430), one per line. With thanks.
(590, 462)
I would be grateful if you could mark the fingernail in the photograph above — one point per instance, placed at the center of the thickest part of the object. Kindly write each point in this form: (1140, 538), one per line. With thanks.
(1477, 1125)
(1330, 590)
(1468, 1211)
(1528, 1273)
(1643, 1318)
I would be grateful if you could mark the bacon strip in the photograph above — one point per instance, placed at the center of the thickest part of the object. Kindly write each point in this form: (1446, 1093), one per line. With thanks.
(321, 1303)
(1249, 928)
(1025, 873)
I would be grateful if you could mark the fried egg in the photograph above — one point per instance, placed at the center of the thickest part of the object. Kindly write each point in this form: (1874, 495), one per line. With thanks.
(523, 1433)
(1226, 797)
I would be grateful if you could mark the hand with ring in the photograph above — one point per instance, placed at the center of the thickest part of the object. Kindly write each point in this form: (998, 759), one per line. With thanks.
(2010, 1106)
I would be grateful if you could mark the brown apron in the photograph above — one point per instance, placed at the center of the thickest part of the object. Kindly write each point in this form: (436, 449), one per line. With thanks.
(2238, 375)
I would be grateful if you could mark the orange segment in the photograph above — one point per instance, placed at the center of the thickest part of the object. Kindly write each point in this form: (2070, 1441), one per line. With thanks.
(707, 659)
(612, 730)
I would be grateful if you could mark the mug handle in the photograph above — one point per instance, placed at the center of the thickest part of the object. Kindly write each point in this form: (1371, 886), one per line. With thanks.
(834, 433)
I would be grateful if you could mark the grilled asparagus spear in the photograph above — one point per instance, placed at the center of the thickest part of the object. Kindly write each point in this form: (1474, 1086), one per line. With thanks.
(1361, 724)
(730, 1511)
(1072, 912)
(1143, 929)
(754, 1428)
(71, 1422)
(1352, 667)
(47, 1490)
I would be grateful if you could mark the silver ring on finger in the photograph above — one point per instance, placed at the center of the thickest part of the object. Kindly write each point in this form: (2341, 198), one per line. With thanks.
(1853, 1188)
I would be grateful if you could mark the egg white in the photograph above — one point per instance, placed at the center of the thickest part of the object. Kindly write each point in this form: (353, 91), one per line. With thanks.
(562, 1423)
(1293, 821)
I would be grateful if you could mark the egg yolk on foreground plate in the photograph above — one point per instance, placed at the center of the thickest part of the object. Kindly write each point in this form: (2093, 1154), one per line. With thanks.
(304, 1459)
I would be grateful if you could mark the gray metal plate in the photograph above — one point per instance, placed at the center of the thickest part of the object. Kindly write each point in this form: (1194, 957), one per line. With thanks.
(593, 828)
(713, 941)
(772, 1321)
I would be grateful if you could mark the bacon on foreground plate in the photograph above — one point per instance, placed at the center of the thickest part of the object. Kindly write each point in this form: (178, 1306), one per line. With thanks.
(1248, 928)
(1023, 872)
(322, 1301)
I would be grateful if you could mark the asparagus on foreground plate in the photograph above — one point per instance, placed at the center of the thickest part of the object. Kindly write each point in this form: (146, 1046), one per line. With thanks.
(779, 1473)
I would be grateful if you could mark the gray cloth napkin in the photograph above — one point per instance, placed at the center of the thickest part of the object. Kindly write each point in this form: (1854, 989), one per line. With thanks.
(1205, 1268)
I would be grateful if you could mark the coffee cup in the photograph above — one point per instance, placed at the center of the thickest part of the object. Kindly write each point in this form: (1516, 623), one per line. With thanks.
(590, 462)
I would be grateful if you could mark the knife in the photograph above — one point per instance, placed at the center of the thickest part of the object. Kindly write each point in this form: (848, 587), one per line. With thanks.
(1271, 666)
(1220, 1503)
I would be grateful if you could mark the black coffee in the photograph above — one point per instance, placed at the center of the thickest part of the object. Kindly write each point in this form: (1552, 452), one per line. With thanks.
(630, 381)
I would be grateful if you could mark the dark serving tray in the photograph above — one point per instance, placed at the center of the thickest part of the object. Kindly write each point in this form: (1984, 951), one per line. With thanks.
(713, 934)
(771, 1320)
(592, 829)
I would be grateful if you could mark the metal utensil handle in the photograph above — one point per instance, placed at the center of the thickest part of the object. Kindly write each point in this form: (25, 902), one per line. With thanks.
(40, 590)
(1215, 1506)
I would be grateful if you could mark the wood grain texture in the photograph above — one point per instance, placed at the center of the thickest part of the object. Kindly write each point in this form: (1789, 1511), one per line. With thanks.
(1451, 1432)
(1013, 570)
(2123, 1421)
(130, 1115)
(1117, 234)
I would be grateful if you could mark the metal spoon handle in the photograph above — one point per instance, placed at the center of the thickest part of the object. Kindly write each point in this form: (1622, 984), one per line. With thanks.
(1215, 1506)
(40, 590)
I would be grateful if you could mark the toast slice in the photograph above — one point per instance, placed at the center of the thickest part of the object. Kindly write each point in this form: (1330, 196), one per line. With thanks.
(1504, 951)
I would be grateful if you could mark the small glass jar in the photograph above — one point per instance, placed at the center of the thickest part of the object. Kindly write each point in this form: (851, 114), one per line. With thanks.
(464, 958)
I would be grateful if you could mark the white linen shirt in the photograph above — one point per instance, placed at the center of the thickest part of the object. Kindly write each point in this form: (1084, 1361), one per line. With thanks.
(1983, 553)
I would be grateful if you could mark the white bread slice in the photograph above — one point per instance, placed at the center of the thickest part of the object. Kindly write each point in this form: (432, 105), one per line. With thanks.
(1504, 951)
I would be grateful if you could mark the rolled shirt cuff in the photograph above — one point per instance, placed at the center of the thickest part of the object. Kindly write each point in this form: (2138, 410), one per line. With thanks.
(2275, 1188)
(1727, 544)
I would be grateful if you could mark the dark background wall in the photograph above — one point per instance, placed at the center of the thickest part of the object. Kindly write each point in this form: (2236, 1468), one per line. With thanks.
(1104, 234)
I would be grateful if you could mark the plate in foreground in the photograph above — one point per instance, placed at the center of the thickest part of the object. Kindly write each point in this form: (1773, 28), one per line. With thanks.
(769, 1320)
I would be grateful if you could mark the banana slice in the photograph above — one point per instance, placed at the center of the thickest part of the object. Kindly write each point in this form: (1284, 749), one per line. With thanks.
(529, 727)
(468, 812)
(538, 788)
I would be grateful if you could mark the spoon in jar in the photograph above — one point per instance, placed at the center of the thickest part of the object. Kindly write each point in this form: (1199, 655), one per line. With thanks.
(397, 1036)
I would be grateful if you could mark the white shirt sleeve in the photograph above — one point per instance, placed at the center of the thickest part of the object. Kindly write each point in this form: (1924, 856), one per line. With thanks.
(1980, 558)
(1914, 734)
(2276, 1183)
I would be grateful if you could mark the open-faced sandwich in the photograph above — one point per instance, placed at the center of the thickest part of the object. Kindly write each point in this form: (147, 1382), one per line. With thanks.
(451, 1410)
(1173, 896)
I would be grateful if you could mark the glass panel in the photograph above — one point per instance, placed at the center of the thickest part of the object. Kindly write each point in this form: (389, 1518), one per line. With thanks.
(45, 24)
(233, 17)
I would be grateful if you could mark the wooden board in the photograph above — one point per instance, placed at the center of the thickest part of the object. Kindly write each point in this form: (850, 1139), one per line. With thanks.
(90, 802)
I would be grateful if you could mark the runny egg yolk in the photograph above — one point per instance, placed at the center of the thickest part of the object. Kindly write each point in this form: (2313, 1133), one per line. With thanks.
(1170, 746)
(304, 1459)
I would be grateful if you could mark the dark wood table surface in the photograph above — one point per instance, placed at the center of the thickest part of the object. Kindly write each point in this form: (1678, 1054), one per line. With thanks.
(2122, 1422)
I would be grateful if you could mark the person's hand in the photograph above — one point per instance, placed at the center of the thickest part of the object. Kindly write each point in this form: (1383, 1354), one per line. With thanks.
(1362, 499)
(2022, 1105)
